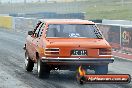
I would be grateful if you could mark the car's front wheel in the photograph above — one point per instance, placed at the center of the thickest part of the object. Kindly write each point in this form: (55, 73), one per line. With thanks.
(43, 69)
(101, 69)
(29, 64)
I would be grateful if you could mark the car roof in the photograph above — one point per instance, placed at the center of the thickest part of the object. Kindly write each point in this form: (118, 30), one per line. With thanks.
(66, 21)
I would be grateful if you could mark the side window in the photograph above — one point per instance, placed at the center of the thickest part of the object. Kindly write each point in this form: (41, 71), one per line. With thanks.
(41, 30)
(37, 26)
(37, 30)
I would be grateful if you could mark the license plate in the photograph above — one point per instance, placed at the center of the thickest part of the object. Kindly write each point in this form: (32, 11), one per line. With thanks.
(79, 52)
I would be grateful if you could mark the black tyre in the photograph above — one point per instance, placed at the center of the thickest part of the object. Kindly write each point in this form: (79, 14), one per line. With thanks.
(101, 69)
(29, 64)
(43, 69)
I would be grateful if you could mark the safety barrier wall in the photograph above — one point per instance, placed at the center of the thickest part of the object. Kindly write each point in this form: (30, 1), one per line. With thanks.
(126, 38)
(119, 36)
(21, 24)
(6, 22)
(121, 22)
(50, 15)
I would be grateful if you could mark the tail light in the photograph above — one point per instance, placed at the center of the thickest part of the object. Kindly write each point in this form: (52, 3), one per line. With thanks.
(105, 51)
(52, 51)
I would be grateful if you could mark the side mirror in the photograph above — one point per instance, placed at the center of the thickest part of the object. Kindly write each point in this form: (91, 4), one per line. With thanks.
(30, 32)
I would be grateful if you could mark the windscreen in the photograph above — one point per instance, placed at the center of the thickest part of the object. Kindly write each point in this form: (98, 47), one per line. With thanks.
(73, 31)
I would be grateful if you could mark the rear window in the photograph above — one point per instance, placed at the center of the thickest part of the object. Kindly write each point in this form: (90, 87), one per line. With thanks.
(73, 31)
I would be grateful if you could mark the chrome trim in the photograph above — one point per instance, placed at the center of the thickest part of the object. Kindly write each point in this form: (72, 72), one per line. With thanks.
(75, 58)
(78, 60)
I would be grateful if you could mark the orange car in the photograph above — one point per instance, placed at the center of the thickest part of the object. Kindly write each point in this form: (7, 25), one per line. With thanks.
(65, 44)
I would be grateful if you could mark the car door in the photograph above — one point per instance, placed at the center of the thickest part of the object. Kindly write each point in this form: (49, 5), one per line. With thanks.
(37, 42)
(41, 40)
(30, 38)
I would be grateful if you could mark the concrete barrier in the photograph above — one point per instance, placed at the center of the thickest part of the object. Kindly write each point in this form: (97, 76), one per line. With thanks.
(126, 38)
(119, 36)
(21, 24)
(50, 15)
(6, 22)
(117, 22)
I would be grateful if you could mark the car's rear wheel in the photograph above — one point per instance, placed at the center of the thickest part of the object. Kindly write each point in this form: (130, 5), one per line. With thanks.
(29, 64)
(43, 69)
(101, 69)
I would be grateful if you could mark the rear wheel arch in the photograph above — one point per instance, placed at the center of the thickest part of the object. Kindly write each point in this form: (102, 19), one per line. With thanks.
(42, 68)
(29, 64)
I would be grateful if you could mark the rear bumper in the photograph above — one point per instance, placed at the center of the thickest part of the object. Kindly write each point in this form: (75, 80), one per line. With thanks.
(78, 60)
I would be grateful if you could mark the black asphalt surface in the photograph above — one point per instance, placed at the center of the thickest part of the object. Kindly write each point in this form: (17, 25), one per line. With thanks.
(13, 74)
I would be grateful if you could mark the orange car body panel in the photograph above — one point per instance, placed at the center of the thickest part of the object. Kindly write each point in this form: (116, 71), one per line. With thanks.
(65, 45)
